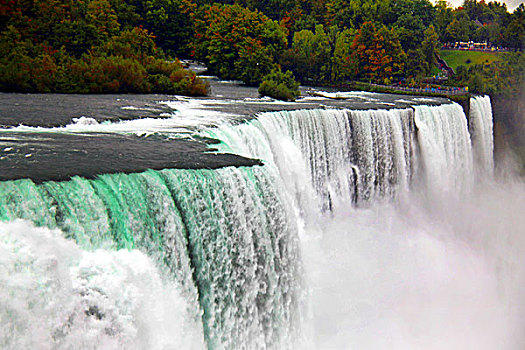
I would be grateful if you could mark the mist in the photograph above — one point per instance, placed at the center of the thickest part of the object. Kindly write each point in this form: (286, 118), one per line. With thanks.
(422, 273)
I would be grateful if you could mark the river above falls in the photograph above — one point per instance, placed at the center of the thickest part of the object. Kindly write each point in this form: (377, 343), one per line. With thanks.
(57, 136)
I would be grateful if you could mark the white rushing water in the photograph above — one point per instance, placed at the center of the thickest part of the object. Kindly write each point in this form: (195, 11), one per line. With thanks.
(480, 127)
(363, 230)
(445, 150)
(440, 267)
(340, 156)
(54, 295)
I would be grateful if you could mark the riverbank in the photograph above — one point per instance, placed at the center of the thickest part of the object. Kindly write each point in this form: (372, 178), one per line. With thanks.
(454, 94)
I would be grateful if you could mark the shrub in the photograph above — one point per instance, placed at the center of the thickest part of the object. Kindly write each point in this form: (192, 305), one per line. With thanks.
(279, 85)
(111, 74)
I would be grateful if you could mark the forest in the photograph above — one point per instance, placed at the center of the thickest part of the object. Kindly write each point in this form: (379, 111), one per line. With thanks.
(110, 46)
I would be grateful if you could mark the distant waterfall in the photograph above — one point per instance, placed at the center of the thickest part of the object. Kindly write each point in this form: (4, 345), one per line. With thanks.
(480, 127)
(229, 238)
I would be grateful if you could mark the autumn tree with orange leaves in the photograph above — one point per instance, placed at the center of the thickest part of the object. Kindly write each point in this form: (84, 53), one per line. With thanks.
(379, 53)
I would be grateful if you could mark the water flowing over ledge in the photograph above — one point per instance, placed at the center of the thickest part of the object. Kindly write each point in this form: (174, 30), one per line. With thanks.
(481, 130)
(228, 241)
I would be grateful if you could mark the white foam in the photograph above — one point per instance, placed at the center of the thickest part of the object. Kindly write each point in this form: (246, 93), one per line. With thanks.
(363, 95)
(85, 121)
(234, 82)
(53, 295)
(424, 99)
(267, 100)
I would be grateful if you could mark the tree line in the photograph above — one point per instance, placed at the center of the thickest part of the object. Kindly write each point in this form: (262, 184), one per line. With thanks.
(85, 46)
(131, 45)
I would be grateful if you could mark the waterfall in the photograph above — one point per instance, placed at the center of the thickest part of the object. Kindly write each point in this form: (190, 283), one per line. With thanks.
(360, 156)
(340, 156)
(225, 236)
(480, 127)
(445, 147)
(228, 239)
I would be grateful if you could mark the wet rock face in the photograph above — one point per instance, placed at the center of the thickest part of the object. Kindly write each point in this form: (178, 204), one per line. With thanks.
(58, 156)
(509, 120)
(465, 104)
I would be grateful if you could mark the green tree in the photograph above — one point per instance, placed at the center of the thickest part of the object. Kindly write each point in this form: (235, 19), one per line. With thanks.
(459, 28)
(515, 32)
(411, 31)
(279, 85)
(475, 83)
(253, 62)
(411, 17)
(322, 52)
(379, 53)
(344, 64)
(394, 51)
(309, 56)
(101, 15)
(226, 34)
(170, 21)
(481, 34)
(15, 62)
(444, 16)
(461, 73)
(299, 56)
(137, 43)
(363, 49)
(416, 66)
(353, 13)
(430, 47)
(78, 46)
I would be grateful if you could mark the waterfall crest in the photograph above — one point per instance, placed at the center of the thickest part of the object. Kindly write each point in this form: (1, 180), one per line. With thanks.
(225, 236)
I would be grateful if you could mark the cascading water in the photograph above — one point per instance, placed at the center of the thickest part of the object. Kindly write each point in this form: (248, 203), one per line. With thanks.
(223, 235)
(307, 249)
(445, 148)
(55, 295)
(480, 127)
(341, 156)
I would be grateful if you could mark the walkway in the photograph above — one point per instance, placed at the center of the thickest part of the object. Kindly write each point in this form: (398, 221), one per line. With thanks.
(444, 90)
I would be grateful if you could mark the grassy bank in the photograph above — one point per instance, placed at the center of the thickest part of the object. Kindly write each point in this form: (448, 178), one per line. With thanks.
(455, 58)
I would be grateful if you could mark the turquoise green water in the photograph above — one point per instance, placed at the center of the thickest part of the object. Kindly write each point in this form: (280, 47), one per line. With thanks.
(225, 235)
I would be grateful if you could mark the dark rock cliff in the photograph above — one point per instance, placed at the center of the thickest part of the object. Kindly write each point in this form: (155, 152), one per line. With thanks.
(509, 126)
